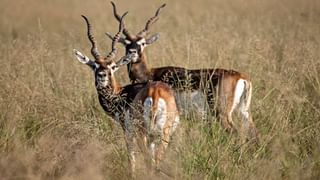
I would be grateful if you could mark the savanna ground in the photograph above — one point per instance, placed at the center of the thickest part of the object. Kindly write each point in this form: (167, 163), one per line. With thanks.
(52, 126)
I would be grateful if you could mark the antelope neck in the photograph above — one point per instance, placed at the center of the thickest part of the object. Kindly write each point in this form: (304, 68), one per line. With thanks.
(115, 86)
(139, 72)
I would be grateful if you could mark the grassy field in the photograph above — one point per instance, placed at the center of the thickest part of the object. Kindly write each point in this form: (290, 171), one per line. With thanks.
(52, 126)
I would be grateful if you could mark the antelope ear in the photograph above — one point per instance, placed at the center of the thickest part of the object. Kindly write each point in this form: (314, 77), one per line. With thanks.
(153, 39)
(124, 60)
(122, 40)
(84, 59)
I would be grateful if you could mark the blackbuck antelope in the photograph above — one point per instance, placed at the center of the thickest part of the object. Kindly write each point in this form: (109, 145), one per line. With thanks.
(147, 112)
(225, 90)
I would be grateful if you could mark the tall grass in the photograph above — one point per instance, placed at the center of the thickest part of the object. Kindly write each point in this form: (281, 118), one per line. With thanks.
(51, 124)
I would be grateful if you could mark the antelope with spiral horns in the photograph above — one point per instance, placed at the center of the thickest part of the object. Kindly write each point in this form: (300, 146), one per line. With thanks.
(224, 90)
(147, 112)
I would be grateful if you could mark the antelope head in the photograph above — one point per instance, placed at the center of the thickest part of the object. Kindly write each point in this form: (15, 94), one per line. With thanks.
(135, 44)
(103, 67)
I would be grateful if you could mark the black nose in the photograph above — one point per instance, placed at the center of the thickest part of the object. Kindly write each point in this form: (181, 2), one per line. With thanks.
(132, 51)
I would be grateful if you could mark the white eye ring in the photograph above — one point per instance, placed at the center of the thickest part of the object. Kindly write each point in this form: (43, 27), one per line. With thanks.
(102, 75)
(127, 42)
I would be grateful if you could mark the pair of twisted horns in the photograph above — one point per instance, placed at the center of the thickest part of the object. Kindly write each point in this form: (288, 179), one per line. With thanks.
(142, 33)
(94, 50)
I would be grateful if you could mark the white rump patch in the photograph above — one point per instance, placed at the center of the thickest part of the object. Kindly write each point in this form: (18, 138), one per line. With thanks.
(238, 92)
(161, 113)
(147, 106)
